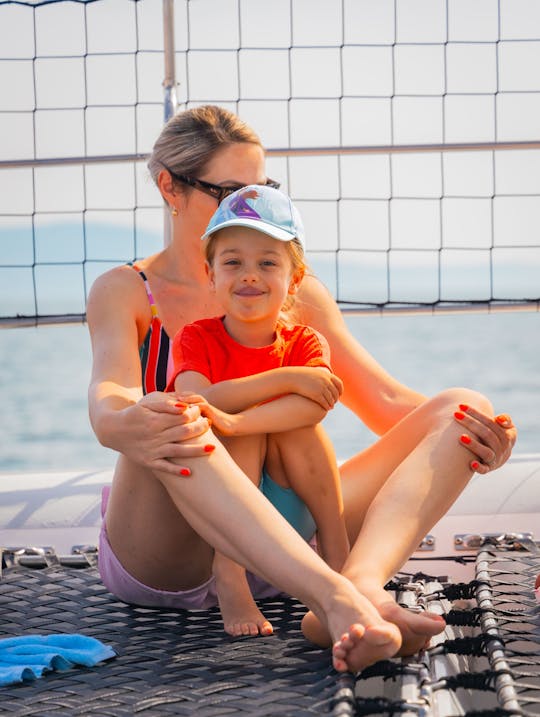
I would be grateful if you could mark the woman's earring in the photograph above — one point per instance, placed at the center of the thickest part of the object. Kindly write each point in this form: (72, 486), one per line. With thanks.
(174, 211)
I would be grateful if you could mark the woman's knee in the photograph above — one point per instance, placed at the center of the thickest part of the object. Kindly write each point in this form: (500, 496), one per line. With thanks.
(447, 402)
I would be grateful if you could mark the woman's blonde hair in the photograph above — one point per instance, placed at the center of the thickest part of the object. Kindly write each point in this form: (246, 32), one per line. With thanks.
(190, 139)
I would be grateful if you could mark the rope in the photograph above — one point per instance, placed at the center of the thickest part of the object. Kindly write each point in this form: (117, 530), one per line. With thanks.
(470, 618)
(380, 705)
(475, 646)
(386, 669)
(496, 712)
(485, 680)
(460, 591)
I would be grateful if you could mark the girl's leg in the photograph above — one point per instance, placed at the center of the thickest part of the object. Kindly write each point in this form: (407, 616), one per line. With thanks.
(239, 612)
(304, 460)
(394, 492)
(220, 504)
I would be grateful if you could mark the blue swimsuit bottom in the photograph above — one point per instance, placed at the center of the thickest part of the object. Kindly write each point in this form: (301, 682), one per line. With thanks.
(291, 507)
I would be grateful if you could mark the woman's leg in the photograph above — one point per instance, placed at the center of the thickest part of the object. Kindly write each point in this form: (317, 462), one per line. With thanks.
(220, 504)
(152, 540)
(394, 492)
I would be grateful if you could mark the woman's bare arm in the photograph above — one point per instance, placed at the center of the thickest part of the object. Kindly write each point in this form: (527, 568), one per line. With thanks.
(147, 429)
(377, 398)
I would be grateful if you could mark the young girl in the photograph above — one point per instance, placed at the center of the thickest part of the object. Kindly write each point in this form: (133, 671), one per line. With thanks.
(242, 362)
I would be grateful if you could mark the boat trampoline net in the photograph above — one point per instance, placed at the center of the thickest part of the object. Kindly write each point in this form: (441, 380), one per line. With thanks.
(486, 663)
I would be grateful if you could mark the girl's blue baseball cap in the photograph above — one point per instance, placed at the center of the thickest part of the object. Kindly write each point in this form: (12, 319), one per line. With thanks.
(262, 208)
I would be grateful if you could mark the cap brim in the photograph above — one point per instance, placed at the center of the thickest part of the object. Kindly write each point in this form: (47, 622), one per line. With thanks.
(257, 224)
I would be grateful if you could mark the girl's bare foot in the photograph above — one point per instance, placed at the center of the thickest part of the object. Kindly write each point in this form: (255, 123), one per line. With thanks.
(239, 612)
(240, 619)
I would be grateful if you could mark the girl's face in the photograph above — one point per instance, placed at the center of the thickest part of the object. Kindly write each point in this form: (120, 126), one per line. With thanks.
(252, 275)
(236, 165)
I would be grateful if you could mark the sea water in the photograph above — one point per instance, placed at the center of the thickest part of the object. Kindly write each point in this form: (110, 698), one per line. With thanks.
(44, 374)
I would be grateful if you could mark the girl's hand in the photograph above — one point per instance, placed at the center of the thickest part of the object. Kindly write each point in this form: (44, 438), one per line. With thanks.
(223, 423)
(159, 430)
(319, 384)
(490, 440)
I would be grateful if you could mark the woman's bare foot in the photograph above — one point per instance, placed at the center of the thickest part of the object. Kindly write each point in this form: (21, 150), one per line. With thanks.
(362, 646)
(360, 636)
(416, 628)
(239, 612)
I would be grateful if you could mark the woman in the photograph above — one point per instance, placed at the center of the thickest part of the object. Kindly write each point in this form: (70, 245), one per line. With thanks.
(160, 527)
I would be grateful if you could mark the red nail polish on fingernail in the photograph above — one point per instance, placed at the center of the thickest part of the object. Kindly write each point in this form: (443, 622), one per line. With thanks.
(465, 439)
(460, 416)
(463, 407)
(475, 465)
(185, 472)
(209, 448)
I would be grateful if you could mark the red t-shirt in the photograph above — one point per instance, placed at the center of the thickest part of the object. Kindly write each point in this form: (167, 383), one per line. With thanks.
(206, 347)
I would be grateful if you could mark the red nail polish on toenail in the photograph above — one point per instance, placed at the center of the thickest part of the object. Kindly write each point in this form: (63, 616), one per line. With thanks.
(209, 448)
(465, 439)
(475, 465)
(185, 472)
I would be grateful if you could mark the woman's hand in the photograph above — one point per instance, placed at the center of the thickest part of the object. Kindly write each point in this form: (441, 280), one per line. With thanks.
(490, 440)
(159, 428)
(318, 384)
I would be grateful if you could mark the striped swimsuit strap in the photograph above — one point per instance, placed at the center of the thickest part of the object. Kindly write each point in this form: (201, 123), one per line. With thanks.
(155, 349)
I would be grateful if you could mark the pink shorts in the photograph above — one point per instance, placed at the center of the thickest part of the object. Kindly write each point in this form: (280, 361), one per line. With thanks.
(127, 588)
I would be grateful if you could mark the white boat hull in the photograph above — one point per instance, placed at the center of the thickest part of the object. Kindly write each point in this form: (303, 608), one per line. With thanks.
(62, 509)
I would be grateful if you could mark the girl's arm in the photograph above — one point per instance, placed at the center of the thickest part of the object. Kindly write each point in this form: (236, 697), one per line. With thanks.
(282, 414)
(315, 383)
(146, 429)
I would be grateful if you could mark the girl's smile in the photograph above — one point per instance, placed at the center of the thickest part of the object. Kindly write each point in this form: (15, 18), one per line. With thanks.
(248, 291)
(251, 274)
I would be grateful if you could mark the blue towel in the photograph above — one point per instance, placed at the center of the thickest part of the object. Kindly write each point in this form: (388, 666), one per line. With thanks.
(29, 656)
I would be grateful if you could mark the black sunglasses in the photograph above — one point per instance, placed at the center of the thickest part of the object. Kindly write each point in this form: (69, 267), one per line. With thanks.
(214, 190)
